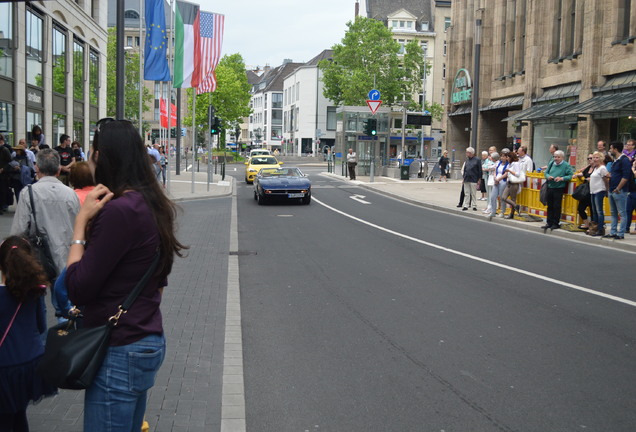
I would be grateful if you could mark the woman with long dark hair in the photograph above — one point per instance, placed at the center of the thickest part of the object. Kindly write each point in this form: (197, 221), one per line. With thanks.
(22, 320)
(124, 222)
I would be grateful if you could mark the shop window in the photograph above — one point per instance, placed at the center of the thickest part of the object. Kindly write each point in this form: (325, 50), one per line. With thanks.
(6, 39)
(34, 48)
(93, 59)
(59, 60)
(331, 118)
(6, 122)
(78, 70)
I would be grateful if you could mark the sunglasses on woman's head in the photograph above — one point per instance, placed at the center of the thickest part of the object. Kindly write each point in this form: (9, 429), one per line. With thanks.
(107, 120)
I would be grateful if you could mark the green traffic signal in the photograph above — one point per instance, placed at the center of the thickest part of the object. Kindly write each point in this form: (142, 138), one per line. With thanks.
(215, 126)
(371, 127)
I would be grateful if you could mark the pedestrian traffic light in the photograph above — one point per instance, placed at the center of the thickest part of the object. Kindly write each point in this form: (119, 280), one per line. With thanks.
(215, 126)
(371, 127)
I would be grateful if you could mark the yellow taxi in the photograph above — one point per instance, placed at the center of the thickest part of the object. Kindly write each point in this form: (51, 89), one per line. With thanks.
(258, 162)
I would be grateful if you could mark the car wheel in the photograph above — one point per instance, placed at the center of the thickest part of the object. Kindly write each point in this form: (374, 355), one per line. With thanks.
(255, 196)
(260, 200)
(306, 200)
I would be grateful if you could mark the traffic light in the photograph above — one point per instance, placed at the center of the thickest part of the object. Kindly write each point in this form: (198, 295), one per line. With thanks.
(371, 127)
(215, 126)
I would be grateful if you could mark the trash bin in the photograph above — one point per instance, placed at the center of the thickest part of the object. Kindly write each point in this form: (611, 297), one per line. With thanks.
(404, 172)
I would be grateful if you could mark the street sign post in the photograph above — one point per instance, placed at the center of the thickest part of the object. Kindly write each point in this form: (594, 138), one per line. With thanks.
(374, 105)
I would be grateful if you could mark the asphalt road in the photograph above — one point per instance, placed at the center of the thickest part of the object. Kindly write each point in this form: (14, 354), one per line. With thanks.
(392, 317)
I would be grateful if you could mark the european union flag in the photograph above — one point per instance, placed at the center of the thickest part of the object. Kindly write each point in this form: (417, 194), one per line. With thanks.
(156, 60)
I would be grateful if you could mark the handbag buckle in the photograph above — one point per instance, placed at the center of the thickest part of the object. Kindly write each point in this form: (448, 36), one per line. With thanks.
(115, 318)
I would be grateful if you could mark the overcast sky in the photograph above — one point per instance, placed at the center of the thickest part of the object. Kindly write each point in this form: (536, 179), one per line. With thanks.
(267, 32)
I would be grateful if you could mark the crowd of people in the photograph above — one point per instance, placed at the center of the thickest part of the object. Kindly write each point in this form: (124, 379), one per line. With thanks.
(103, 234)
(608, 173)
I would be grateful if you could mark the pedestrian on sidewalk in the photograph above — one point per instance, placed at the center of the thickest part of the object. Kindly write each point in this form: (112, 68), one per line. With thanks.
(620, 175)
(509, 196)
(443, 166)
(131, 221)
(486, 162)
(599, 184)
(586, 201)
(23, 317)
(352, 161)
(558, 174)
(472, 179)
(499, 183)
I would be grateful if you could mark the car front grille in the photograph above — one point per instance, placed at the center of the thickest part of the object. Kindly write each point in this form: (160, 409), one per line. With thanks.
(284, 191)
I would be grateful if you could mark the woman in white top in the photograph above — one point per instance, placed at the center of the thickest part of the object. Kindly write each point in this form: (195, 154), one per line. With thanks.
(510, 192)
(599, 184)
(499, 185)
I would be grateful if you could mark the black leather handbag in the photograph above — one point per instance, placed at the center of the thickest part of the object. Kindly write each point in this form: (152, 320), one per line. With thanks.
(72, 356)
(40, 243)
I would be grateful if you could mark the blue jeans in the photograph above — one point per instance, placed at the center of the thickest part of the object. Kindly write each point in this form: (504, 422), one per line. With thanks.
(116, 400)
(497, 191)
(598, 214)
(618, 205)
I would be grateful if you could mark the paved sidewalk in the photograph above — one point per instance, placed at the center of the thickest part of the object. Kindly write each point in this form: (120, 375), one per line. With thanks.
(188, 393)
(444, 196)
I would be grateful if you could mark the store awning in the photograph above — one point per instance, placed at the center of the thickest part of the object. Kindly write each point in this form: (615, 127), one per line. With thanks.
(463, 109)
(540, 112)
(565, 91)
(615, 104)
(503, 103)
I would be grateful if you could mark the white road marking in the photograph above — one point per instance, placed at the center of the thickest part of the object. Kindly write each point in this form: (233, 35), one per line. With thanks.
(359, 198)
(485, 261)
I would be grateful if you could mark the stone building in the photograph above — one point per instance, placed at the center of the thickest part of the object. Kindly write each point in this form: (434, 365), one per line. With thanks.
(52, 69)
(557, 71)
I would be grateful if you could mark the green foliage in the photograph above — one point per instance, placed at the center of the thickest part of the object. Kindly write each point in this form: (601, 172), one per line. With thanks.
(131, 88)
(367, 58)
(231, 99)
(59, 74)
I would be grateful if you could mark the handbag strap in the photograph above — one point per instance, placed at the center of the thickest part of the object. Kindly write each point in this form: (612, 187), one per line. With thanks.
(10, 324)
(123, 308)
(35, 220)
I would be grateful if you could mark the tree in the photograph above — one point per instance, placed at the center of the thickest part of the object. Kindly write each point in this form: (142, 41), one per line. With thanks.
(366, 59)
(131, 88)
(414, 66)
(369, 58)
(231, 99)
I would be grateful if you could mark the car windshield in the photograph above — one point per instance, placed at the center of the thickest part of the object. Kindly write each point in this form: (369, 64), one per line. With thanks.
(280, 172)
(260, 160)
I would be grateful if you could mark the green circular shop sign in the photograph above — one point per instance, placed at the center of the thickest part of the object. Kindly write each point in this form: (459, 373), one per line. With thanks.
(462, 87)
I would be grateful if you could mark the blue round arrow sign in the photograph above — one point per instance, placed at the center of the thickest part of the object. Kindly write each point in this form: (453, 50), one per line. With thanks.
(374, 95)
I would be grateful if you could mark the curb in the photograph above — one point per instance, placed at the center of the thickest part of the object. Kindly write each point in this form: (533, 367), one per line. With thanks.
(581, 237)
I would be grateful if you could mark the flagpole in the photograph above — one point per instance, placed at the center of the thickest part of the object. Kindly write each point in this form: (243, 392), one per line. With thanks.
(170, 61)
(141, 89)
(194, 133)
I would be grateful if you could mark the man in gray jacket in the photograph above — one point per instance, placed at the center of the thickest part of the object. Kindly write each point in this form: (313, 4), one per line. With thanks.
(56, 206)
(472, 177)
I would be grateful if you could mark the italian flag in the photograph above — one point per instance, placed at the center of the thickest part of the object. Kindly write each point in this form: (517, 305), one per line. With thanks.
(187, 41)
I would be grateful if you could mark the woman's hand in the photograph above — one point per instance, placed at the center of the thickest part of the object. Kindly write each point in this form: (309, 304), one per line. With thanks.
(95, 201)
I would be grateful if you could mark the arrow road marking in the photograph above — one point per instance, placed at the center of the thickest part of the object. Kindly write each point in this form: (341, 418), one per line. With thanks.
(359, 198)
(482, 260)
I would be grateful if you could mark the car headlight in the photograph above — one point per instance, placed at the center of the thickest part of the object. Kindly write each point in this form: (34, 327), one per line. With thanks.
(252, 171)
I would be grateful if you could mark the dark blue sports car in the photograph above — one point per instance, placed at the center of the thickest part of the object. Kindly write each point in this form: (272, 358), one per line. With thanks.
(281, 183)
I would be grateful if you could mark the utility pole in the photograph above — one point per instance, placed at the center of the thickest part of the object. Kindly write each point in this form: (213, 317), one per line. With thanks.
(474, 116)
(120, 63)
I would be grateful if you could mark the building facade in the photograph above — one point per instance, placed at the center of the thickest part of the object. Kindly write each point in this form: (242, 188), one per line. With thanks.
(309, 118)
(266, 120)
(555, 72)
(52, 69)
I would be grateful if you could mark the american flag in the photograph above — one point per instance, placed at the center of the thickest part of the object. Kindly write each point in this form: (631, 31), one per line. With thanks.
(211, 26)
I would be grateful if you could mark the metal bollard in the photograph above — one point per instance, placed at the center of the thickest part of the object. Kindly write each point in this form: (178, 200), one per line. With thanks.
(223, 171)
